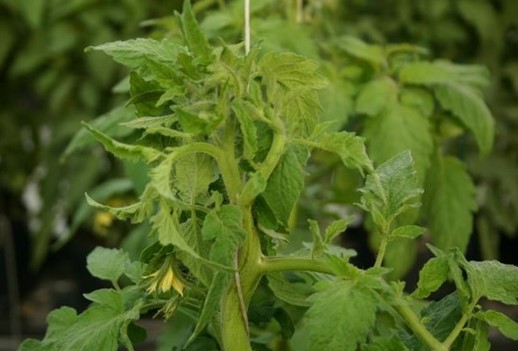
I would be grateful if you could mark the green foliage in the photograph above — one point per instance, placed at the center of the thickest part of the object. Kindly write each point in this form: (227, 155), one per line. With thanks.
(227, 136)
(341, 316)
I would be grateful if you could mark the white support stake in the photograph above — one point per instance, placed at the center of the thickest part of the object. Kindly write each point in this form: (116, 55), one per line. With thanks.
(247, 26)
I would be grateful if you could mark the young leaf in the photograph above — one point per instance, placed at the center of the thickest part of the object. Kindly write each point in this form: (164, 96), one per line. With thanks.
(432, 276)
(449, 203)
(318, 244)
(137, 52)
(124, 151)
(284, 187)
(389, 189)
(108, 264)
(248, 130)
(349, 147)
(334, 229)
(341, 316)
(194, 37)
(506, 325)
(292, 82)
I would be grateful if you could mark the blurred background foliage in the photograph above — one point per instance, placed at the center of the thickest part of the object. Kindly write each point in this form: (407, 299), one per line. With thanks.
(48, 85)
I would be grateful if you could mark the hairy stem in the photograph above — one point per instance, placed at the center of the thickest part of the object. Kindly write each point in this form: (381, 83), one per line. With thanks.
(381, 250)
(234, 304)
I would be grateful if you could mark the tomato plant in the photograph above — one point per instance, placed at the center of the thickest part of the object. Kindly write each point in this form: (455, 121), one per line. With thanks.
(227, 133)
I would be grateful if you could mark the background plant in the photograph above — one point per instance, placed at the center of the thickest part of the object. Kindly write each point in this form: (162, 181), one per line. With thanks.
(48, 87)
(226, 136)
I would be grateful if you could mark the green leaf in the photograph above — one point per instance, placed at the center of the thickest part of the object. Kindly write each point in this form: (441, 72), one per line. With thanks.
(137, 52)
(469, 107)
(248, 130)
(284, 187)
(372, 54)
(149, 122)
(124, 213)
(218, 287)
(400, 128)
(440, 317)
(341, 316)
(295, 292)
(193, 175)
(171, 232)
(493, 280)
(108, 264)
(107, 123)
(124, 151)
(225, 227)
(334, 229)
(432, 276)
(292, 83)
(458, 90)
(290, 71)
(349, 147)
(506, 325)
(194, 37)
(449, 203)
(318, 244)
(100, 327)
(408, 231)
(390, 189)
(419, 99)
(444, 72)
(385, 343)
(376, 96)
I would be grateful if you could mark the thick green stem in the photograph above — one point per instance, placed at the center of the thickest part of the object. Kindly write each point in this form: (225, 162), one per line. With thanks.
(235, 303)
(415, 324)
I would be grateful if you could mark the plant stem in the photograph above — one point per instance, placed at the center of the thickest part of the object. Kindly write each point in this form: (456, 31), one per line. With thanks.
(267, 167)
(381, 251)
(287, 263)
(456, 331)
(234, 304)
(415, 324)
